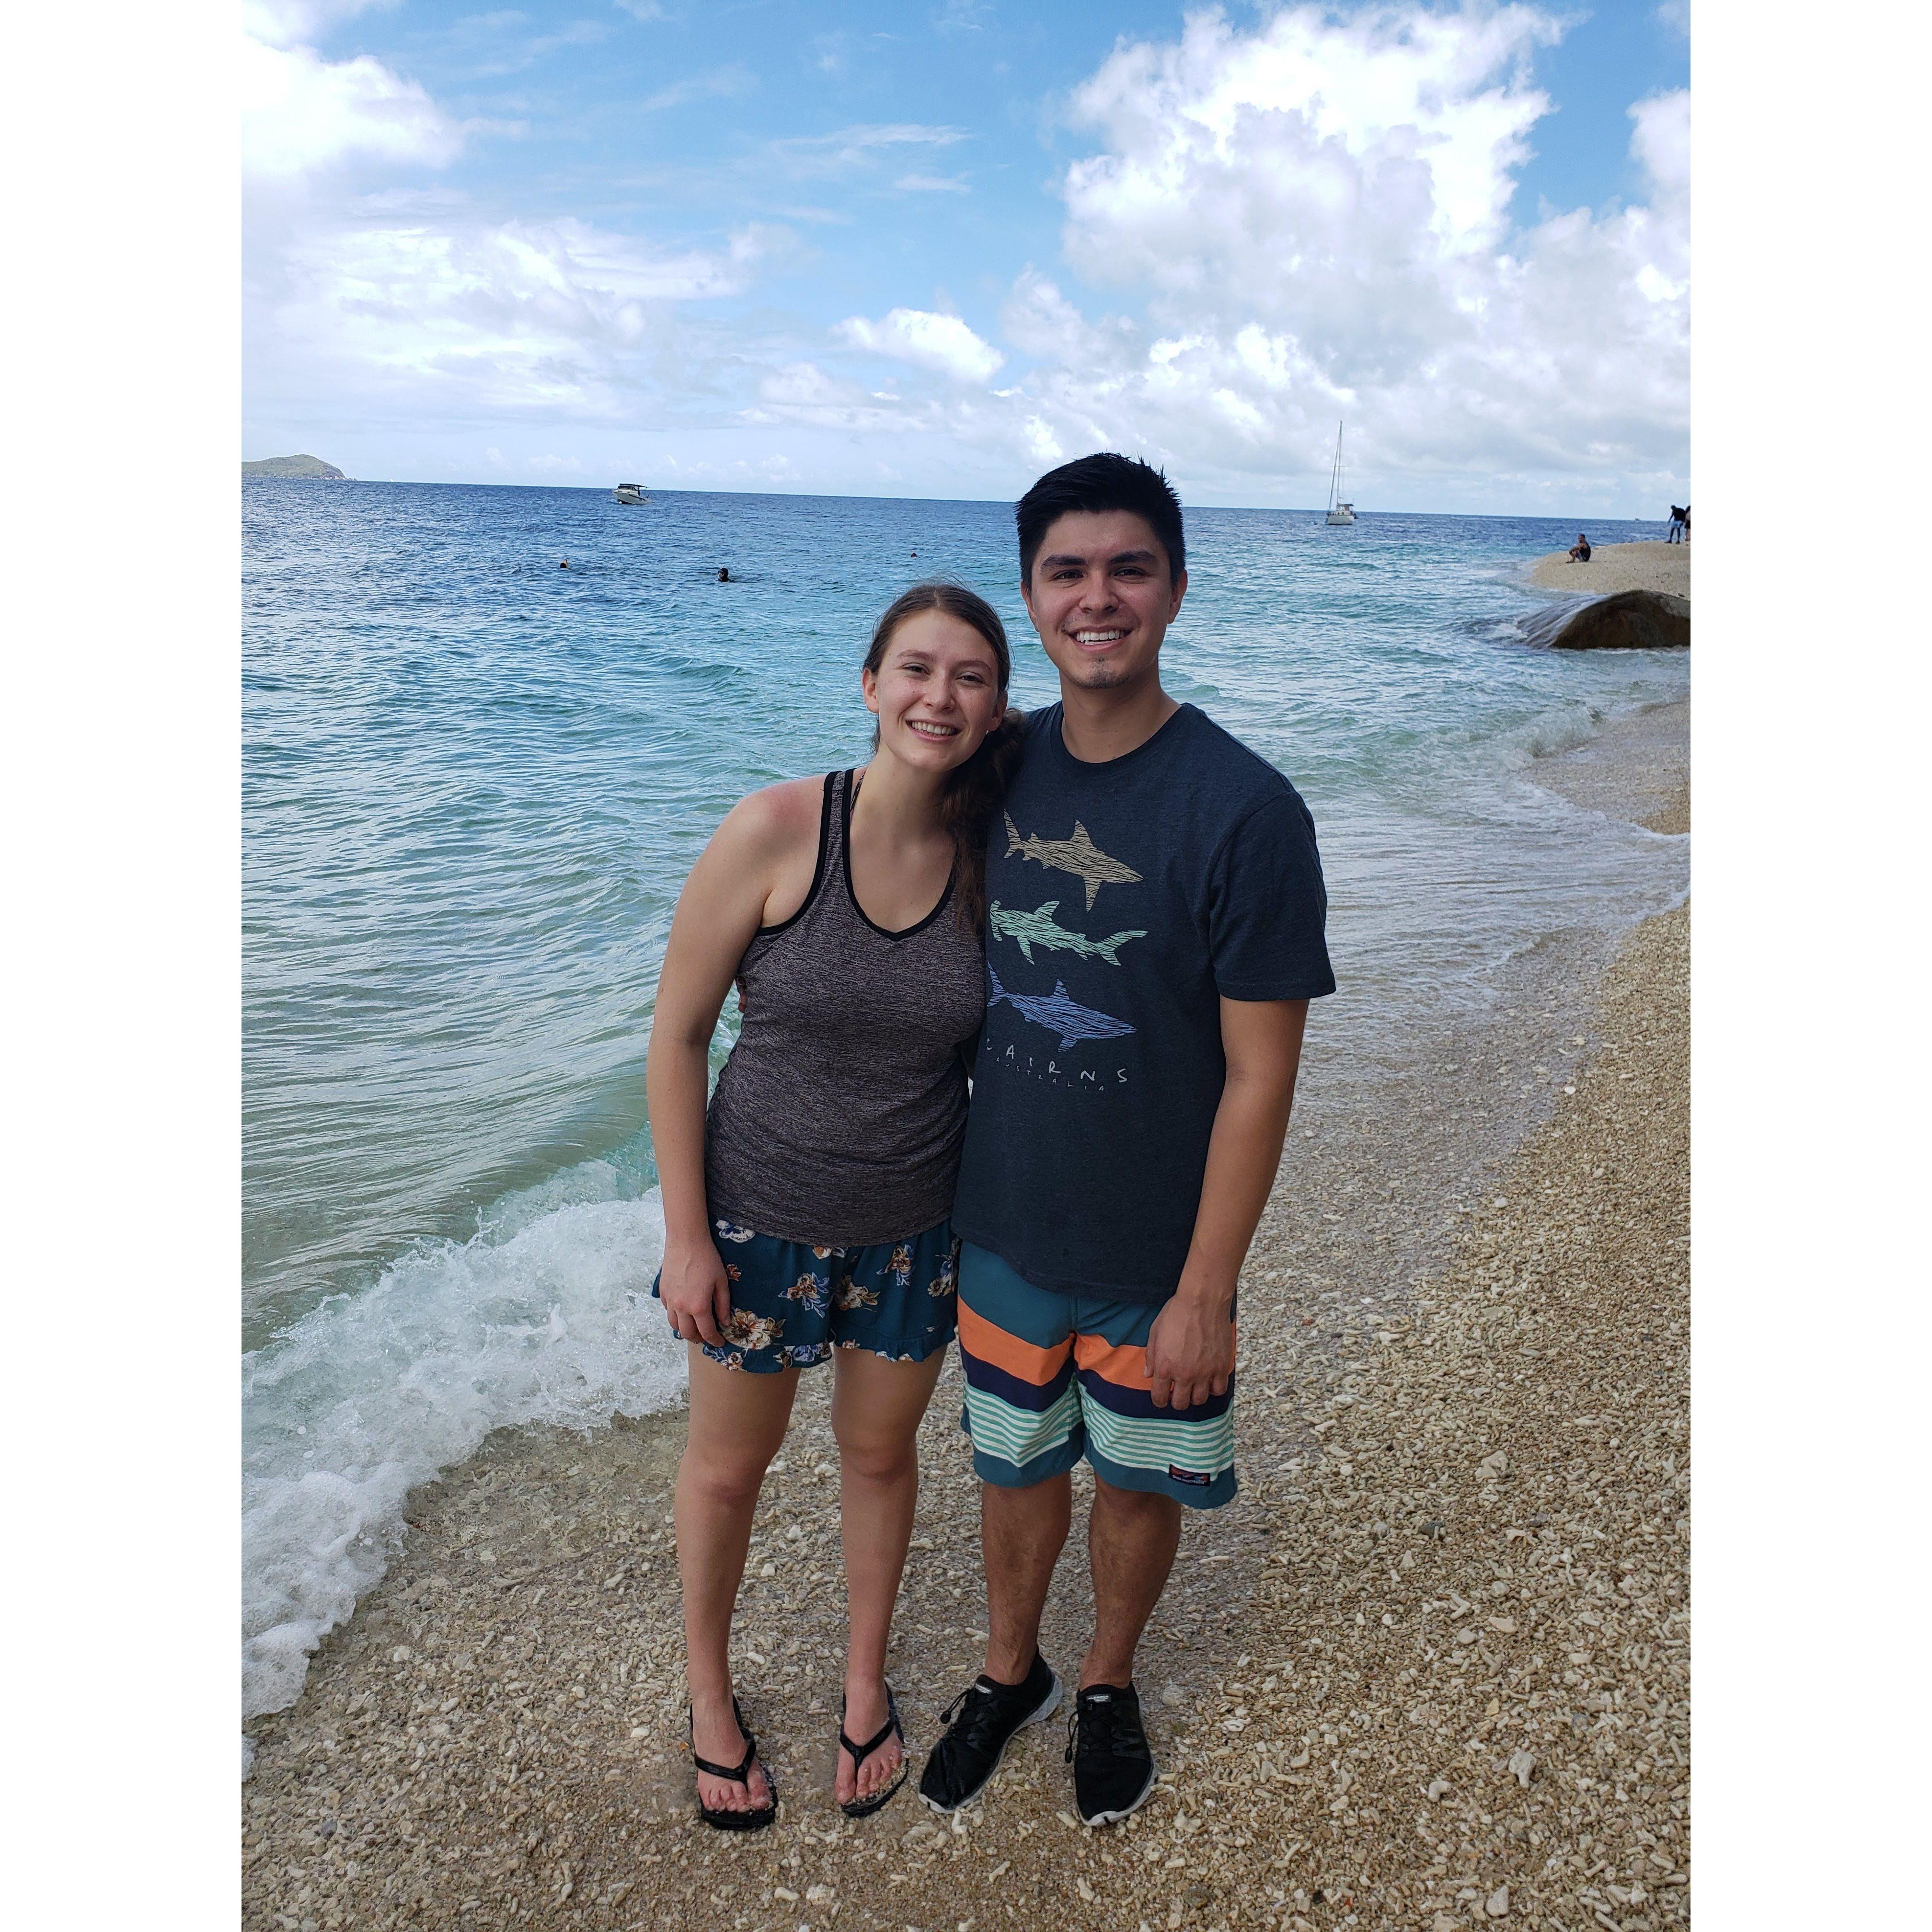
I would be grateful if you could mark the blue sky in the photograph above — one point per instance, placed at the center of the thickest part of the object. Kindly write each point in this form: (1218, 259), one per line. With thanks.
(929, 249)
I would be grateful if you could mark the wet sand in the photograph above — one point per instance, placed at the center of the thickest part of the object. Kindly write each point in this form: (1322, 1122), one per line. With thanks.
(1613, 567)
(1429, 1668)
(1641, 771)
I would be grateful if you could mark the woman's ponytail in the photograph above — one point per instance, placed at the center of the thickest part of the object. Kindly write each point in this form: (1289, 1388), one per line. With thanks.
(971, 804)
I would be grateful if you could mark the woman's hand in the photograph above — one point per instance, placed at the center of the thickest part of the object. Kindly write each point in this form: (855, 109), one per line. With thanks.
(696, 1292)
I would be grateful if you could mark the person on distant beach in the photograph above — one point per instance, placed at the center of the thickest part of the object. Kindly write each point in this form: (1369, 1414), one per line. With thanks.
(806, 1214)
(723, 576)
(1155, 934)
(1676, 531)
(1686, 523)
(1579, 551)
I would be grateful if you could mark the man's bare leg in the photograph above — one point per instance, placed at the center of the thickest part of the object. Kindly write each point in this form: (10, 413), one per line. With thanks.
(1131, 1536)
(1021, 1534)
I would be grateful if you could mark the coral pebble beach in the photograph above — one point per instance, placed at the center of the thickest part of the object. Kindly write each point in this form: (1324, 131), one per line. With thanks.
(1429, 1670)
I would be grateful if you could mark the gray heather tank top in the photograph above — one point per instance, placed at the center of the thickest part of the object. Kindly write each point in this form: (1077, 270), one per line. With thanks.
(839, 1118)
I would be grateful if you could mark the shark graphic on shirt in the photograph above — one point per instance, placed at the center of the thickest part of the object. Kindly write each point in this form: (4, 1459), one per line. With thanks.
(1078, 855)
(1029, 929)
(1059, 1012)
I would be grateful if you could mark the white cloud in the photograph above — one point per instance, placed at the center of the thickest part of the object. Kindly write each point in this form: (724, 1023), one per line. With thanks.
(846, 148)
(1312, 219)
(1301, 219)
(285, 23)
(1333, 168)
(443, 319)
(1675, 14)
(394, 304)
(1662, 142)
(301, 115)
(515, 56)
(736, 79)
(802, 392)
(942, 342)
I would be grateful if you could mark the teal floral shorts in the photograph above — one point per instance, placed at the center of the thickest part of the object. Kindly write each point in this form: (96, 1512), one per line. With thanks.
(792, 1304)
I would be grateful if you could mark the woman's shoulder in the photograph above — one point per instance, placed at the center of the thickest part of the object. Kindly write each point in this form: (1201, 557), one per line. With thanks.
(776, 818)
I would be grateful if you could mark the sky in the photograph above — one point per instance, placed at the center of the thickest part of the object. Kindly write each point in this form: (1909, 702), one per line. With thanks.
(932, 248)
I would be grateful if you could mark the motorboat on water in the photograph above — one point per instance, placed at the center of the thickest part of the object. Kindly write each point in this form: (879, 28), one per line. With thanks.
(1339, 512)
(632, 493)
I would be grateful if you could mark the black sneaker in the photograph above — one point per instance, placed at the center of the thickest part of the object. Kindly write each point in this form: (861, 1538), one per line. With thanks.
(1113, 1768)
(989, 1714)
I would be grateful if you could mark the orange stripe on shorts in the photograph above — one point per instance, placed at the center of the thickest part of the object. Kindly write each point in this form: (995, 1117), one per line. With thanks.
(1025, 1360)
(1123, 1363)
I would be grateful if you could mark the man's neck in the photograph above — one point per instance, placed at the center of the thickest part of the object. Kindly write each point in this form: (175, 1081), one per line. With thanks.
(1098, 726)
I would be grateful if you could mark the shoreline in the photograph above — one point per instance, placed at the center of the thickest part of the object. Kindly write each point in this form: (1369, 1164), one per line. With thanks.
(1639, 770)
(1663, 567)
(496, 1736)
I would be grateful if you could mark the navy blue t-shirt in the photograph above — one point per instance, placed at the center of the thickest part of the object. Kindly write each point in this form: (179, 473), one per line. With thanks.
(1124, 900)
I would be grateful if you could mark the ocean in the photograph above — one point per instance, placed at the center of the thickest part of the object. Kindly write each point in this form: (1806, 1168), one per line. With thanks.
(474, 780)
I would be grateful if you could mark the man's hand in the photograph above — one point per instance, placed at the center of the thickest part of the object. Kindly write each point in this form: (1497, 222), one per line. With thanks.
(696, 1293)
(1190, 1352)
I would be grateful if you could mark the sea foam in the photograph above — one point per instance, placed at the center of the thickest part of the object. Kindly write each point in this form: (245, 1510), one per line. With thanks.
(368, 1395)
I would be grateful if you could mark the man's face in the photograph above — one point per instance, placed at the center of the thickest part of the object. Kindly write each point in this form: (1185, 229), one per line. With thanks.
(1101, 596)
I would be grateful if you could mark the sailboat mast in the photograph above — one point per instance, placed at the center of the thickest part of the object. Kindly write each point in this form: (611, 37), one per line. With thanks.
(1335, 481)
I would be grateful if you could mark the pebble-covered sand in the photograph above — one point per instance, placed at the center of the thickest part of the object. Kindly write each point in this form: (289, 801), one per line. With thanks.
(1613, 567)
(1429, 1670)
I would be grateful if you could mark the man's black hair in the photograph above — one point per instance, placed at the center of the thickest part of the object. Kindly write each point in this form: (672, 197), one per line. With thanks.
(1097, 483)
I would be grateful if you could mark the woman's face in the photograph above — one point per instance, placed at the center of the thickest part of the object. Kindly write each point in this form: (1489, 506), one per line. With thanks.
(936, 693)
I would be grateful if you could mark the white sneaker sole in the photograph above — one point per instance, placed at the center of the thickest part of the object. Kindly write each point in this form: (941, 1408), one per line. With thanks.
(1049, 1704)
(1127, 1810)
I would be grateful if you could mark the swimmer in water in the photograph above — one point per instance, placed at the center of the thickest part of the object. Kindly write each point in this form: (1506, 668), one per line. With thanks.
(724, 576)
(563, 563)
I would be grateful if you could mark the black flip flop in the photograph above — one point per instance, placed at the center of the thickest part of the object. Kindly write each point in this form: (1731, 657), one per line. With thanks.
(864, 1808)
(734, 1821)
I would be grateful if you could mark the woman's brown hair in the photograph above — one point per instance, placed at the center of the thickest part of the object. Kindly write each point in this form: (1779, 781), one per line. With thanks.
(974, 791)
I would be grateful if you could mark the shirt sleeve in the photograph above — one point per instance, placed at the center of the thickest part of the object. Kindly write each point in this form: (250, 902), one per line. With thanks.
(1267, 908)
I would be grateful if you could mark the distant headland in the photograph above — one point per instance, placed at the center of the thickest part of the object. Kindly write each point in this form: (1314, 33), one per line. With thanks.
(295, 466)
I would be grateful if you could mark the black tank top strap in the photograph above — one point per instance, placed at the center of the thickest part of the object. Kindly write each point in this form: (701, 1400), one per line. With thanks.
(836, 835)
(828, 866)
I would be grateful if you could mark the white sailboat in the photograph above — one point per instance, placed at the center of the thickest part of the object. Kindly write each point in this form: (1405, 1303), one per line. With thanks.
(1339, 512)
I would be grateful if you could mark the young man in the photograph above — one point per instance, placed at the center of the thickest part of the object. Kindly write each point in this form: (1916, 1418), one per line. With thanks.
(1154, 934)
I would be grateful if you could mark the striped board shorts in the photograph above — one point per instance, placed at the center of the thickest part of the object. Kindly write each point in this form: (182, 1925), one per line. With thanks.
(1052, 1378)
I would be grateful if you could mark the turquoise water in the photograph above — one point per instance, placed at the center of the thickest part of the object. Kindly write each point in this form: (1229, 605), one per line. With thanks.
(475, 781)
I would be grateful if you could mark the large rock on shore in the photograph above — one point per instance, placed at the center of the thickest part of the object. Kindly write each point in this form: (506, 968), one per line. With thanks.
(1632, 620)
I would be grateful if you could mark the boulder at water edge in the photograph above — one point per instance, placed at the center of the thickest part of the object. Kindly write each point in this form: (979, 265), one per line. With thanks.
(1632, 620)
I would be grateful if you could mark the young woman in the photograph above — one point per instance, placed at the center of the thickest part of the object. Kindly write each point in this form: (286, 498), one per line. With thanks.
(806, 1218)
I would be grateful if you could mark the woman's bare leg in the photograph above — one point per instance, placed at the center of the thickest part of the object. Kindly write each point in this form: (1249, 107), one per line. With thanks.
(737, 1422)
(876, 1407)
